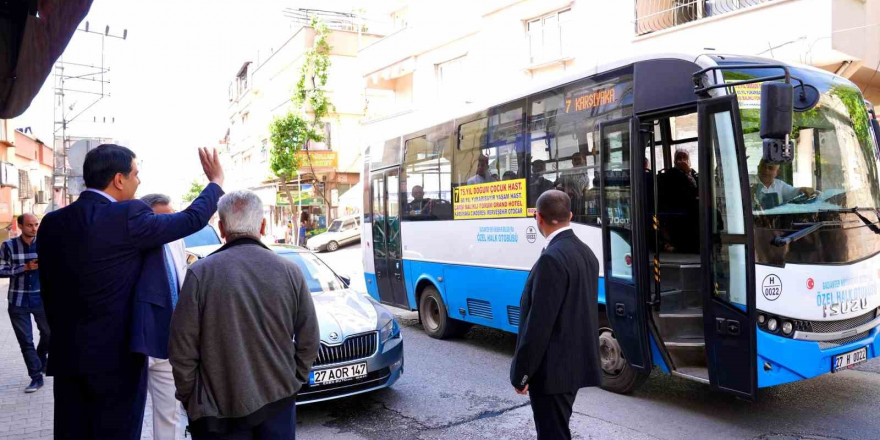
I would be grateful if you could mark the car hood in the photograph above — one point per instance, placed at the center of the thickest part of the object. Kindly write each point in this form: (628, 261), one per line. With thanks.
(344, 312)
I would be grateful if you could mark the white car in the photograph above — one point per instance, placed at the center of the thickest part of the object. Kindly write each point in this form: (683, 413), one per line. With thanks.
(342, 231)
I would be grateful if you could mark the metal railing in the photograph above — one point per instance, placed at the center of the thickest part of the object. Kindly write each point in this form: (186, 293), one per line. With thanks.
(656, 15)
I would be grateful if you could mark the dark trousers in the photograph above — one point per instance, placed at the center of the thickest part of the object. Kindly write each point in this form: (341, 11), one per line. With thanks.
(282, 426)
(102, 406)
(552, 413)
(34, 358)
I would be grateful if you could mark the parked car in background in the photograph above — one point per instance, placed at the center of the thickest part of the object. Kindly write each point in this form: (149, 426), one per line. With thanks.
(342, 231)
(200, 244)
(361, 346)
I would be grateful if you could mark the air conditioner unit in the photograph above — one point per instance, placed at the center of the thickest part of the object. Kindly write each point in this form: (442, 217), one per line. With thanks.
(41, 198)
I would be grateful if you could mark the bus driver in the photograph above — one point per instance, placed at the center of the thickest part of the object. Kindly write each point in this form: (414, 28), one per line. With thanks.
(771, 192)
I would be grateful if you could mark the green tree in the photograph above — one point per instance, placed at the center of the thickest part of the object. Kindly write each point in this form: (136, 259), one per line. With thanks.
(195, 189)
(292, 132)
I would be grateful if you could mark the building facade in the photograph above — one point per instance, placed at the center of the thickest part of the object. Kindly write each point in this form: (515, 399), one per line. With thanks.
(26, 177)
(262, 91)
(447, 59)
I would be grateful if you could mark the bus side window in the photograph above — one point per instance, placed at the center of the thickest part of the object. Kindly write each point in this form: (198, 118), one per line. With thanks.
(427, 173)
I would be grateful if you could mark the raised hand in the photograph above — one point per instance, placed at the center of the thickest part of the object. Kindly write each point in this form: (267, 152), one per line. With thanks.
(211, 165)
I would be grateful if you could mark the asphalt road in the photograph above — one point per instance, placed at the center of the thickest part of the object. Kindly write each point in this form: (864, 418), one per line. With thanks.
(458, 389)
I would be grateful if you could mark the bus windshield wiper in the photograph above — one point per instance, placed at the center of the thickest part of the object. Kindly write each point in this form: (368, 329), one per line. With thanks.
(781, 241)
(856, 210)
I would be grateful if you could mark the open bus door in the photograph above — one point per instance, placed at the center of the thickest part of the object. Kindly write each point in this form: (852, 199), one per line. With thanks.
(624, 247)
(727, 256)
(385, 193)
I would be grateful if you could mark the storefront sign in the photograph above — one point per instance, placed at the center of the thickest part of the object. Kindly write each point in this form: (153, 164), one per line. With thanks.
(319, 161)
(503, 199)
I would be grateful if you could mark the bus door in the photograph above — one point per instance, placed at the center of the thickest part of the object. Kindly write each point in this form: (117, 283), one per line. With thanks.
(385, 188)
(624, 247)
(727, 256)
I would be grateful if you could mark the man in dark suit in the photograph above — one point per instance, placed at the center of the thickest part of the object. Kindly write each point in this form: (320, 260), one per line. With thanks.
(91, 255)
(556, 349)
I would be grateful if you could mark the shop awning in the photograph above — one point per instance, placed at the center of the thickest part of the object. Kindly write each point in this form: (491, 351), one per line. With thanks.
(35, 35)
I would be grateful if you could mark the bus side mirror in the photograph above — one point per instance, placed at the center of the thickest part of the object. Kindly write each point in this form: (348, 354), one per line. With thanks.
(776, 120)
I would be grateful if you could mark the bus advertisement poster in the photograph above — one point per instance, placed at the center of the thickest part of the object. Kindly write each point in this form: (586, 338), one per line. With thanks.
(748, 96)
(504, 199)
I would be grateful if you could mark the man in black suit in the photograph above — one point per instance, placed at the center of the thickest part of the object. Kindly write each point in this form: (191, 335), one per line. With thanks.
(556, 350)
(91, 255)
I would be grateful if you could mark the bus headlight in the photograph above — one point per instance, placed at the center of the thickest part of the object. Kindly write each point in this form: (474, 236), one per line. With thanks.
(762, 318)
(787, 327)
(772, 324)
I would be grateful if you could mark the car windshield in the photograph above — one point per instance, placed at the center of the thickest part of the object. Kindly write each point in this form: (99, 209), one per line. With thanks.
(318, 276)
(835, 164)
(206, 236)
(336, 226)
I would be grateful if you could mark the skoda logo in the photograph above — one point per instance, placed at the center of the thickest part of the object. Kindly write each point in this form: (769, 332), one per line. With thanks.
(334, 336)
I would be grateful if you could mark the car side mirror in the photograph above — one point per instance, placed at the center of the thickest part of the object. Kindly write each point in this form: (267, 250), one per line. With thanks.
(346, 279)
(777, 106)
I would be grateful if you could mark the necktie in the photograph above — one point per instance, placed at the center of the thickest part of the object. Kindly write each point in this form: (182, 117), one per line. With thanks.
(172, 274)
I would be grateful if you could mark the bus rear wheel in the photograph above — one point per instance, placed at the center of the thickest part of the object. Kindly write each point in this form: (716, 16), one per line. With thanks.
(435, 317)
(617, 374)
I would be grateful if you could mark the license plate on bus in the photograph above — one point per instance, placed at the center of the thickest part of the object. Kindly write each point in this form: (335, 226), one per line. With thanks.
(851, 359)
(338, 374)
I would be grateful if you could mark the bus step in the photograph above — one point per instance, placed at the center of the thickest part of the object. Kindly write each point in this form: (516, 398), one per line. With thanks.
(686, 343)
(699, 374)
(690, 312)
(678, 299)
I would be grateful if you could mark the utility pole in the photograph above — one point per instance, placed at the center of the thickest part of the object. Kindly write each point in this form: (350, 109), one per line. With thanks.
(88, 81)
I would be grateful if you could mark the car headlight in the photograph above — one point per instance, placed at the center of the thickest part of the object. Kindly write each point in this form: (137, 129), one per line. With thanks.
(389, 331)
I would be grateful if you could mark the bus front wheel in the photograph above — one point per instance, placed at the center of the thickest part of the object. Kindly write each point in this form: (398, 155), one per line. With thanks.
(435, 317)
(617, 374)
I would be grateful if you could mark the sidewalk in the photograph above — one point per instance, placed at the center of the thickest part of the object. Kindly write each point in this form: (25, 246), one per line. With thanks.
(31, 416)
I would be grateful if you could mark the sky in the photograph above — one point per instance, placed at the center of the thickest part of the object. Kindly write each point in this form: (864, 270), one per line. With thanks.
(168, 79)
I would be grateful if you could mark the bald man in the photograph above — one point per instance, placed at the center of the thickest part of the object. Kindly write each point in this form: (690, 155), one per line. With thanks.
(557, 346)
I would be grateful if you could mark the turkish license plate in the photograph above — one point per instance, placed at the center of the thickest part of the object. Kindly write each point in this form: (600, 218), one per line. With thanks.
(338, 374)
(849, 360)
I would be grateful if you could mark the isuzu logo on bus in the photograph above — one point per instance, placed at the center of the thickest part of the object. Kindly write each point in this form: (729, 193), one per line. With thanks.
(771, 287)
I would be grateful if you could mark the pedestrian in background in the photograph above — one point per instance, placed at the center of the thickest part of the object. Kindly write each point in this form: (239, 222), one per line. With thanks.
(304, 227)
(242, 342)
(18, 262)
(556, 348)
(91, 257)
(156, 295)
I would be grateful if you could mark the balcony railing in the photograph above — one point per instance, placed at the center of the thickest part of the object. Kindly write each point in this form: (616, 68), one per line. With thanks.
(656, 15)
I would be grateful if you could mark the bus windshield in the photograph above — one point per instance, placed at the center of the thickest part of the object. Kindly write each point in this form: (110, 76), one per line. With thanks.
(835, 166)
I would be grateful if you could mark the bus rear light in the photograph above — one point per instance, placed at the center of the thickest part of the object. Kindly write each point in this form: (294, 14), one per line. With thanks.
(772, 325)
(762, 319)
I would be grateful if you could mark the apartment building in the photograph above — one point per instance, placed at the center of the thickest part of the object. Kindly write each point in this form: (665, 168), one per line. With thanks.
(447, 59)
(262, 89)
(26, 177)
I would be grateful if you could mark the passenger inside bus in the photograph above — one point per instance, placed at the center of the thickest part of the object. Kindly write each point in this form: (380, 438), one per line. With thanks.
(482, 175)
(537, 182)
(575, 182)
(419, 204)
(509, 175)
(770, 191)
(679, 205)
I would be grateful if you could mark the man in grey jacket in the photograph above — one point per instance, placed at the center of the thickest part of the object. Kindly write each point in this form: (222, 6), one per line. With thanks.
(244, 334)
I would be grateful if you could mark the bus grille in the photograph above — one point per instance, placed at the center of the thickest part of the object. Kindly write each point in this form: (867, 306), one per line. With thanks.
(353, 348)
(844, 324)
(479, 308)
(513, 315)
(844, 341)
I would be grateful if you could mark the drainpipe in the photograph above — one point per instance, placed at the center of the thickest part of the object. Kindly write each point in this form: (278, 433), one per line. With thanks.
(844, 66)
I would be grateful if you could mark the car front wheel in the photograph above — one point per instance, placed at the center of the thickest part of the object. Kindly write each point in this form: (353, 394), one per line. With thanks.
(332, 246)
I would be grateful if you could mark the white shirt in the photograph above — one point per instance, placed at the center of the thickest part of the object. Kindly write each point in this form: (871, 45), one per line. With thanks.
(107, 196)
(476, 178)
(783, 191)
(555, 233)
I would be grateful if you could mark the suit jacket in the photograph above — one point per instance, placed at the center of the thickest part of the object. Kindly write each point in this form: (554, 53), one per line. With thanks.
(557, 346)
(151, 317)
(91, 255)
